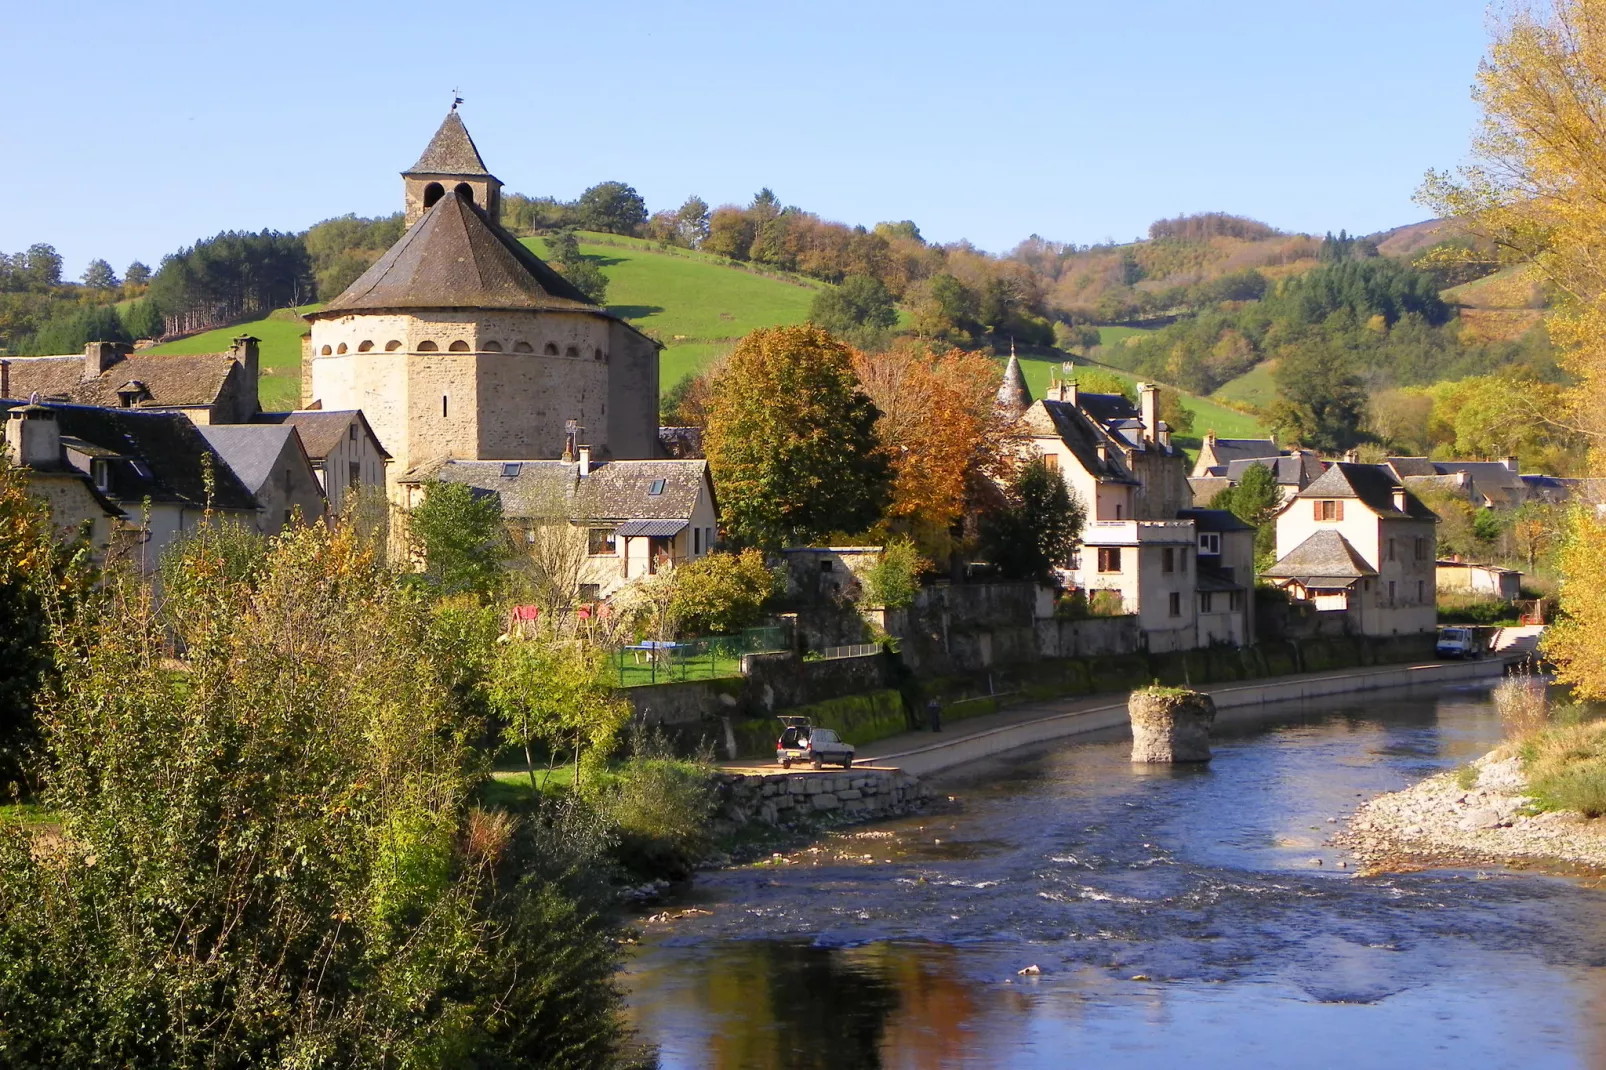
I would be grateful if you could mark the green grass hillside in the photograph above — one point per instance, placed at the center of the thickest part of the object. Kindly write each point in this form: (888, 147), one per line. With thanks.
(1254, 387)
(694, 303)
(279, 354)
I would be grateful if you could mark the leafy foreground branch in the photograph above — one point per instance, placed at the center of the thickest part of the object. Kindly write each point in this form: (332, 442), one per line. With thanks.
(267, 852)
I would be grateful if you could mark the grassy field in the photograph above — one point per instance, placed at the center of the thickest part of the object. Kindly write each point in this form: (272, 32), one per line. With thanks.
(695, 304)
(1109, 336)
(1207, 415)
(1254, 387)
(279, 355)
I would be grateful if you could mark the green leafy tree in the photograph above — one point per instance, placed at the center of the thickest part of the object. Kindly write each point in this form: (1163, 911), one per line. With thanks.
(1036, 527)
(558, 695)
(42, 265)
(859, 307)
(1322, 400)
(1256, 500)
(141, 319)
(721, 592)
(42, 575)
(791, 438)
(462, 538)
(70, 332)
(612, 207)
(138, 274)
(564, 250)
(894, 580)
(100, 276)
(266, 850)
(691, 221)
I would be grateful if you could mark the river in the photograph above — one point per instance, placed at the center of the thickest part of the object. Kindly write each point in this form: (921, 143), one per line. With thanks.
(1174, 916)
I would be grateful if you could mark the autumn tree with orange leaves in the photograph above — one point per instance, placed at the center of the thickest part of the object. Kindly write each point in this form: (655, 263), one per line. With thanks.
(942, 432)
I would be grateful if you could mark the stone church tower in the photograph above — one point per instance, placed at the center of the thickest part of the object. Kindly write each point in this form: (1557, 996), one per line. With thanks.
(461, 343)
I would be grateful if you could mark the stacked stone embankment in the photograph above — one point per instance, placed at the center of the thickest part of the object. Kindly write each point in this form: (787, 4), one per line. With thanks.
(801, 798)
(1170, 725)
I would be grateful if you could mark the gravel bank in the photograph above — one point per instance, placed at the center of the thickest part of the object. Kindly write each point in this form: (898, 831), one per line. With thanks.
(1439, 822)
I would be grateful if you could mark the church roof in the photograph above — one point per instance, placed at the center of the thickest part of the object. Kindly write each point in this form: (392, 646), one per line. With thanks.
(455, 258)
(450, 152)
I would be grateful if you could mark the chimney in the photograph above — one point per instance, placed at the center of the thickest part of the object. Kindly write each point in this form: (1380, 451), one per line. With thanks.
(245, 351)
(1149, 408)
(5, 378)
(1210, 437)
(98, 356)
(571, 439)
(585, 461)
(1070, 393)
(32, 438)
(1512, 466)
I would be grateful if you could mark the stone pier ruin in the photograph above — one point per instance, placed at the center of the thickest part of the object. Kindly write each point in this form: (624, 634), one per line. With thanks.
(1170, 724)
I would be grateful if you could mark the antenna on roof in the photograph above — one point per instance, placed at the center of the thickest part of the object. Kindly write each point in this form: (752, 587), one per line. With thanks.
(456, 100)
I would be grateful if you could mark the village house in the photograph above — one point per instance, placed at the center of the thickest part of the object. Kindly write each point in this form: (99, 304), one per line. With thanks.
(1486, 484)
(607, 523)
(209, 388)
(345, 453)
(77, 507)
(153, 466)
(1137, 540)
(270, 462)
(1293, 471)
(1472, 578)
(1226, 577)
(1357, 541)
(1217, 453)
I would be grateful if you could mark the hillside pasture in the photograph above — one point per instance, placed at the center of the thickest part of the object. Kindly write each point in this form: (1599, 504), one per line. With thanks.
(279, 354)
(1254, 387)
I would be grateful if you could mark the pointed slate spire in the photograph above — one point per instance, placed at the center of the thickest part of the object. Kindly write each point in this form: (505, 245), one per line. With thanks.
(1013, 394)
(451, 151)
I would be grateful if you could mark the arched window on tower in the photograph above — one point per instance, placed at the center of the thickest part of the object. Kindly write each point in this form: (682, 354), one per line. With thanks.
(491, 347)
(341, 348)
(392, 345)
(572, 351)
(597, 355)
(432, 193)
(550, 349)
(523, 347)
(465, 191)
(427, 346)
(458, 346)
(364, 346)
(326, 351)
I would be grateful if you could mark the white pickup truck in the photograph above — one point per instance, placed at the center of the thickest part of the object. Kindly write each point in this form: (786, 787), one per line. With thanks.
(1459, 643)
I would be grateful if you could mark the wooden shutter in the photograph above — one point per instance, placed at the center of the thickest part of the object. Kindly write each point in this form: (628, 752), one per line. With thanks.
(1317, 515)
(1338, 510)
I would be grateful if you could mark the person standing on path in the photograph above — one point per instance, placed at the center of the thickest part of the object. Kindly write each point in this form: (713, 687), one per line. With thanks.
(934, 715)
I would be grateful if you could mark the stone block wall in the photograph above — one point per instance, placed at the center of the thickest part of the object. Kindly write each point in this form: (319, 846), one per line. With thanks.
(788, 799)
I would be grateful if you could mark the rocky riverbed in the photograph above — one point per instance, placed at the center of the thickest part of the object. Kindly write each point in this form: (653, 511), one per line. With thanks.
(1490, 822)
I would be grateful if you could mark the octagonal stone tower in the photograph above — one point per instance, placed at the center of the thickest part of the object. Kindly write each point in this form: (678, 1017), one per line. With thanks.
(461, 343)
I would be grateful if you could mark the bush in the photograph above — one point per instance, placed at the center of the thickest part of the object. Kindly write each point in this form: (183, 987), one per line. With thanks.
(1566, 768)
(1524, 708)
(660, 807)
(720, 593)
(894, 580)
(267, 851)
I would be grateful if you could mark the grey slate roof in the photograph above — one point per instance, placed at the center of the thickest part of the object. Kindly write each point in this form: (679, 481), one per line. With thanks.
(615, 491)
(166, 445)
(1228, 450)
(450, 152)
(1081, 436)
(455, 258)
(252, 450)
(1205, 488)
(1292, 471)
(1373, 484)
(1326, 559)
(1214, 520)
(1013, 393)
(322, 430)
(1412, 466)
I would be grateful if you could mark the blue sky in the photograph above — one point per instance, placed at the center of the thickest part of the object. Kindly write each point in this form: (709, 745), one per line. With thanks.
(132, 129)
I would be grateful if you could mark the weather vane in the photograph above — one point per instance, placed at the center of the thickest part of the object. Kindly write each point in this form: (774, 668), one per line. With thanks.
(456, 100)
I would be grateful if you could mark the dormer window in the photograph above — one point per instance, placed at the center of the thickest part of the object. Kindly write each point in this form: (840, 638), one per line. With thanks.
(101, 469)
(132, 393)
(511, 471)
(657, 488)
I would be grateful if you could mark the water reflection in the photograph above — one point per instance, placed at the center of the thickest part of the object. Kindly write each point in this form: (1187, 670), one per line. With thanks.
(1168, 910)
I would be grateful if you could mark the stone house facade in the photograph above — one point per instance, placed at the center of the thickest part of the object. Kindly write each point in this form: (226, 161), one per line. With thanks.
(271, 463)
(1358, 541)
(344, 451)
(209, 388)
(77, 508)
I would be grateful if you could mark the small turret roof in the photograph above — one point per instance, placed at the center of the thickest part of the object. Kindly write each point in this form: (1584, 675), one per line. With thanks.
(1013, 393)
(450, 152)
(455, 258)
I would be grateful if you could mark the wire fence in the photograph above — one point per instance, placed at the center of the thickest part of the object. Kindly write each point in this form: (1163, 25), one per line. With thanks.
(707, 658)
(856, 650)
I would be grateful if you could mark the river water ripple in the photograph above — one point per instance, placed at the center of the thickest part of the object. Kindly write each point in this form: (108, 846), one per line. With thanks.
(1175, 915)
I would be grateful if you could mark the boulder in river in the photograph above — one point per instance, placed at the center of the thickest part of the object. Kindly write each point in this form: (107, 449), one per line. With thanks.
(1170, 724)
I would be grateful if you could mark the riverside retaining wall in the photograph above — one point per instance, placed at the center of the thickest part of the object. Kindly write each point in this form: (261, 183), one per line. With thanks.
(929, 758)
(806, 798)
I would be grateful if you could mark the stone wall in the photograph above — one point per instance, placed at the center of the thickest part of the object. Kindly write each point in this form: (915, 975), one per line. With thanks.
(1088, 637)
(799, 798)
(777, 681)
